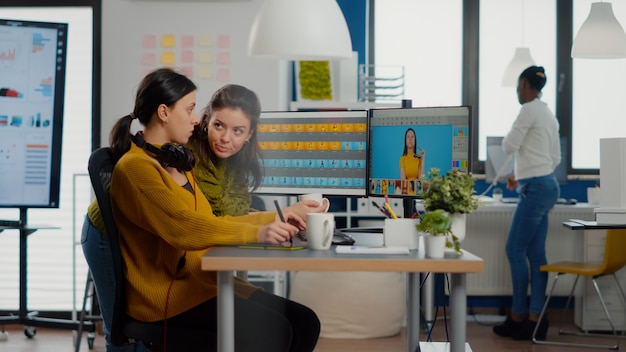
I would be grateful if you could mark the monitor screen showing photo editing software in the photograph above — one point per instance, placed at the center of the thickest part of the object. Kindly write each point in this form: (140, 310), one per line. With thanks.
(442, 140)
(314, 152)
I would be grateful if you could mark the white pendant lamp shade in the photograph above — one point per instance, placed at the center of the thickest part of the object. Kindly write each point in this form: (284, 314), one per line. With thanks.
(601, 36)
(520, 62)
(300, 30)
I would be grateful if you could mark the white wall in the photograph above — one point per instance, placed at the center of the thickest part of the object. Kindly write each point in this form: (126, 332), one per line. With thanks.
(125, 23)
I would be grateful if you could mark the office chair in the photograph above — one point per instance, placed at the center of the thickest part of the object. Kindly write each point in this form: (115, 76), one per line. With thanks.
(614, 260)
(125, 329)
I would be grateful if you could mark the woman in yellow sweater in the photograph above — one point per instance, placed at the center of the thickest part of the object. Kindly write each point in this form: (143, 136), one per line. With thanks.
(411, 163)
(166, 225)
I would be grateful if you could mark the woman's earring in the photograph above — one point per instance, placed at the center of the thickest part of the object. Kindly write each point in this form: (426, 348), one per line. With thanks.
(246, 142)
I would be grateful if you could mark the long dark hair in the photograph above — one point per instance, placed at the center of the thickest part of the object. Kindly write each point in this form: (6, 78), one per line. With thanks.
(415, 146)
(248, 158)
(162, 86)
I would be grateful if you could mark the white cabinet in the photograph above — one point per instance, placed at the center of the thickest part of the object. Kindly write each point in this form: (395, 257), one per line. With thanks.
(589, 315)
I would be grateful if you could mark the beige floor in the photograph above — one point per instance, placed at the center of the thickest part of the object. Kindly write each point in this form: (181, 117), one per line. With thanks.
(479, 336)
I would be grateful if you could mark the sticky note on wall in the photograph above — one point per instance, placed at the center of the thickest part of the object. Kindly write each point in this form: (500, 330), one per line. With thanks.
(168, 58)
(168, 41)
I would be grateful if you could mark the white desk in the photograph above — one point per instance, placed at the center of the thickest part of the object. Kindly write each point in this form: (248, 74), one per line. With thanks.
(227, 260)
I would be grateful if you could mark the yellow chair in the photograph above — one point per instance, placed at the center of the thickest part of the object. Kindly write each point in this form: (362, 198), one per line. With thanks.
(614, 260)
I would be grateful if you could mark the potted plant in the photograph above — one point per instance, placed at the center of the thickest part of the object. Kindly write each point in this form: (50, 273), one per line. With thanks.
(438, 225)
(452, 193)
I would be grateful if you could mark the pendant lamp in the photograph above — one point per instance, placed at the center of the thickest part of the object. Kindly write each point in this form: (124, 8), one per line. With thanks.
(521, 60)
(601, 36)
(300, 30)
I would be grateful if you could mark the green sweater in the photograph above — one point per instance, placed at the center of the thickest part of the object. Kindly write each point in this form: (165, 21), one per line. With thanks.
(224, 185)
(158, 221)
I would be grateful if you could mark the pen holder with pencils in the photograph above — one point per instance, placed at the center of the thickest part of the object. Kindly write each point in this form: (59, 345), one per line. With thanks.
(401, 233)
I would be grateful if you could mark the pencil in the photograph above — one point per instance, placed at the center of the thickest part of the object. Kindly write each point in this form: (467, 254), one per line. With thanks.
(281, 216)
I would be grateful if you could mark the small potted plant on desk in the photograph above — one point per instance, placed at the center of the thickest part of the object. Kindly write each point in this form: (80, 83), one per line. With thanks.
(451, 196)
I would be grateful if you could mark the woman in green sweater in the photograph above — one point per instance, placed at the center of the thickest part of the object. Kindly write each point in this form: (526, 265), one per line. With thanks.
(225, 143)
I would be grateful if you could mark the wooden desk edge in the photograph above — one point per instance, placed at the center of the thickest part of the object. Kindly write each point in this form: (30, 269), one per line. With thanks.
(369, 264)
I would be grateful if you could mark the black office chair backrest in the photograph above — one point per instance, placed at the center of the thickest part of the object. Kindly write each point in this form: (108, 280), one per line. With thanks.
(100, 169)
(125, 329)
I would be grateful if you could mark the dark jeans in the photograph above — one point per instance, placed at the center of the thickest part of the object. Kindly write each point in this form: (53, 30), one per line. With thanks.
(264, 322)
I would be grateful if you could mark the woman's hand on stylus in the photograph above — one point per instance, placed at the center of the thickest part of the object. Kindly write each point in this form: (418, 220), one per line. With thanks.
(277, 232)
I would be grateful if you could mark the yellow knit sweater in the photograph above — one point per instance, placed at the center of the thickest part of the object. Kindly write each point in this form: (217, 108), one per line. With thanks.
(158, 221)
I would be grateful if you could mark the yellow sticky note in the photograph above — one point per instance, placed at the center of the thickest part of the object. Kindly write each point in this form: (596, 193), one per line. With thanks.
(168, 41)
(205, 40)
(205, 72)
(168, 58)
(205, 57)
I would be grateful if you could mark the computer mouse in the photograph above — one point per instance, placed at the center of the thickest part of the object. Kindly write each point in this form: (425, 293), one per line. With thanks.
(571, 201)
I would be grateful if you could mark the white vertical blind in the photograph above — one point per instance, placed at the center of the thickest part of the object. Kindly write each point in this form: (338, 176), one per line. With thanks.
(426, 38)
(597, 97)
(504, 26)
(53, 255)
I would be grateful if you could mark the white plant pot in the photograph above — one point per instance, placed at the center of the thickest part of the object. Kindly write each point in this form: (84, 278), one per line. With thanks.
(458, 225)
(434, 246)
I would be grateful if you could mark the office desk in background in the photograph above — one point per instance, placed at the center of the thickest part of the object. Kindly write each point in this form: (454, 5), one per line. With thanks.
(227, 260)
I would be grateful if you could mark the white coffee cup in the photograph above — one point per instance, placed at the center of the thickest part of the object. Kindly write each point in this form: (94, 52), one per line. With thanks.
(319, 230)
(318, 197)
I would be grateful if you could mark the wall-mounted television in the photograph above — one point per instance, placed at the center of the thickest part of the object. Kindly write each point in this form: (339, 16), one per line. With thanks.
(314, 151)
(32, 90)
(439, 138)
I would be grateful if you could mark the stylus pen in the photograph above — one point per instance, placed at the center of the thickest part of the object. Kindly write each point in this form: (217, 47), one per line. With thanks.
(282, 217)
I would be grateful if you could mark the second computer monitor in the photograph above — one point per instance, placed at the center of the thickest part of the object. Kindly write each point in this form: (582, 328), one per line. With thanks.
(314, 152)
(406, 143)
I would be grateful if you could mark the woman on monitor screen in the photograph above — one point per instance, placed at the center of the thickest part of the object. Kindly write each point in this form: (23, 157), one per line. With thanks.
(534, 140)
(411, 163)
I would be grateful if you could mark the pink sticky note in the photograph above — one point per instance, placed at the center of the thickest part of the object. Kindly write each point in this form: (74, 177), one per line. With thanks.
(223, 41)
(223, 58)
(186, 56)
(148, 59)
(223, 74)
(149, 41)
(187, 71)
(186, 41)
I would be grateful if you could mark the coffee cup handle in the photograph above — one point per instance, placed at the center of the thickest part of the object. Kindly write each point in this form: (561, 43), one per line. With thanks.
(325, 200)
(328, 233)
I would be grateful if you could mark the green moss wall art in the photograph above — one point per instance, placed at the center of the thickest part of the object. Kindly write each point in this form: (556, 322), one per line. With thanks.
(315, 81)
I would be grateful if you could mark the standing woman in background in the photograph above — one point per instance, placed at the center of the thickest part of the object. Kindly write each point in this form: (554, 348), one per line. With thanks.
(534, 140)
(411, 163)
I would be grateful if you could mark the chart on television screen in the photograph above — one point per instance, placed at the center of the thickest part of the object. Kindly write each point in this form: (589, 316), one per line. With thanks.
(32, 77)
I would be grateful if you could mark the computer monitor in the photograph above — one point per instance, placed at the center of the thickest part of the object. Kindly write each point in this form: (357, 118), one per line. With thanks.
(314, 151)
(443, 133)
(498, 161)
(32, 88)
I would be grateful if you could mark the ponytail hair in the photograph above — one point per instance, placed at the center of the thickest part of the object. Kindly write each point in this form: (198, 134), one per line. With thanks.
(162, 86)
(119, 138)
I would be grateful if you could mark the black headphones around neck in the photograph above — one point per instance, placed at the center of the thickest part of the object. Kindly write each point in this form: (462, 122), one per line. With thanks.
(169, 155)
